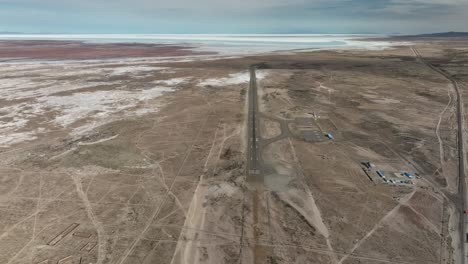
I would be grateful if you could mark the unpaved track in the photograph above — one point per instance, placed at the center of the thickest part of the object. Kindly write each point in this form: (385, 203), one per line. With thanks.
(187, 251)
(310, 212)
(315, 216)
(461, 156)
(379, 224)
(44, 228)
(160, 206)
(101, 235)
(441, 143)
(27, 217)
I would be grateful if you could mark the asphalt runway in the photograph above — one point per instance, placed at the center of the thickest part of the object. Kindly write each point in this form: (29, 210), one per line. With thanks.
(253, 159)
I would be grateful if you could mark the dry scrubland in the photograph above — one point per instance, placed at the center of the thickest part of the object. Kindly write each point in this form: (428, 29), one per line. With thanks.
(144, 162)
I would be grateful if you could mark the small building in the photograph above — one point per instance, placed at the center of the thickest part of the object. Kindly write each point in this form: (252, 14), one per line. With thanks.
(381, 174)
(407, 174)
(368, 164)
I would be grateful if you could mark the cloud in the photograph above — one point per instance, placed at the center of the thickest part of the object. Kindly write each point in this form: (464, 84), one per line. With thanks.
(218, 16)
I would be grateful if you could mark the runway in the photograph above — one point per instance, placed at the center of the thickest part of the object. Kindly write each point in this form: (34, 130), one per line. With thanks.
(253, 157)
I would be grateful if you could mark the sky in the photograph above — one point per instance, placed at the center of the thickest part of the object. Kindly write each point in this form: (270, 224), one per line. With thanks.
(233, 16)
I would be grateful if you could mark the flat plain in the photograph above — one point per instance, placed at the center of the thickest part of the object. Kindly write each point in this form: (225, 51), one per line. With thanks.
(144, 160)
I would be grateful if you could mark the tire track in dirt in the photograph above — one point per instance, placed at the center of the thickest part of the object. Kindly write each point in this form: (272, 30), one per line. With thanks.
(160, 205)
(183, 251)
(6, 232)
(459, 245)
(315, 217)
(187, 249)
(379, 224)
(101, 235)
(437, 130)
(152, 162)
(39, 232)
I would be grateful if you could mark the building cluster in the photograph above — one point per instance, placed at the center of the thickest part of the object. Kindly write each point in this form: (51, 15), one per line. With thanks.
(403, 177)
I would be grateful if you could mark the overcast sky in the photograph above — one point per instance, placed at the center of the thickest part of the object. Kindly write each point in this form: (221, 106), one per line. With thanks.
(233, 16)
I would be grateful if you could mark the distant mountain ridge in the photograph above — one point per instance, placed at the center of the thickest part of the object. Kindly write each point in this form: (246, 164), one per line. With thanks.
(450, 34)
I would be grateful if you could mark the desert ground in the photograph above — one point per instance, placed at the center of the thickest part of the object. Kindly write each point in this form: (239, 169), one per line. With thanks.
(78, 50)
(144, 160)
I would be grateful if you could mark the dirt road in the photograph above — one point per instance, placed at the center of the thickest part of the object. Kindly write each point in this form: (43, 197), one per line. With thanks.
(461, 156)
